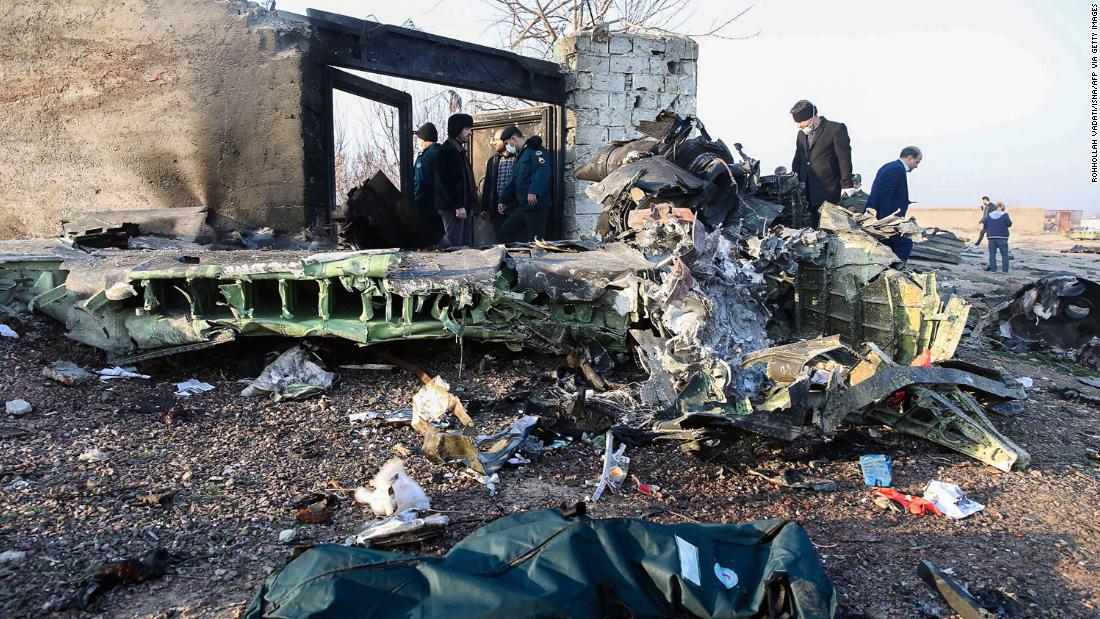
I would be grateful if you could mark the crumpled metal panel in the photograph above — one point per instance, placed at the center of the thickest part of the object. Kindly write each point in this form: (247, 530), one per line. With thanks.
(612, 156)
(850, 289)
(954, 418)
(938, 245)
(1061, 309)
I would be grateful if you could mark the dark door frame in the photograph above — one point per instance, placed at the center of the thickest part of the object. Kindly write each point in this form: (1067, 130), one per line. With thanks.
(340, 41)
(335, 79)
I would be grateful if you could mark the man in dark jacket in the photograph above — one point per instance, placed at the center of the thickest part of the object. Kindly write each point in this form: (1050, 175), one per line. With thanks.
(498, 172)
(527, 196)
(424, 168)
(822, 157)
(996, 225)
(890, 195)
(456, 193)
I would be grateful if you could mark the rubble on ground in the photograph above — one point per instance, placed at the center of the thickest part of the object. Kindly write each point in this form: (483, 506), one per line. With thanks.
(692, 278)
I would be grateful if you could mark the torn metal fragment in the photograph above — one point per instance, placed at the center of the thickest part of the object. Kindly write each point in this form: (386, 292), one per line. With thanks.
(938, 245)
(956, 596)
(851, 290)
(1060, 310)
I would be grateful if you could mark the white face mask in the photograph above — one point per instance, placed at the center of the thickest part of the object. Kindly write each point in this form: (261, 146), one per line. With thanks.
(511, 149)
(808, 129)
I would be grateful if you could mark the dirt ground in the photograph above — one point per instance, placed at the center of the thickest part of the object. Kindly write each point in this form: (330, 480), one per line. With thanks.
(237, 465)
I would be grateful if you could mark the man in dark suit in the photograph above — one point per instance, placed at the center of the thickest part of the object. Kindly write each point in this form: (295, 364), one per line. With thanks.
(822, 157)
(455, 191)
(890, 195)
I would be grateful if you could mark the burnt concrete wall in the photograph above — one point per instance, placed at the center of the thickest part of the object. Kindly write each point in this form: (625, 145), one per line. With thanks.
(612, 82)
(964, 221)
(133, 104)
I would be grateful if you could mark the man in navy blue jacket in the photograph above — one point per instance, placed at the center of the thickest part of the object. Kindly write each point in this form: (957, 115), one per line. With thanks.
(890, 195)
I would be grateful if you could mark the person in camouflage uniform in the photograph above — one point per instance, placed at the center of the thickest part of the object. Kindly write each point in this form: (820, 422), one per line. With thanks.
(857, 200)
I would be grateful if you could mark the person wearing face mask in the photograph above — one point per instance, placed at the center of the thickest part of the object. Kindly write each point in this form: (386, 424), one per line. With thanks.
(526, 198)
(822, 158)
(456, 192)
(498, 172)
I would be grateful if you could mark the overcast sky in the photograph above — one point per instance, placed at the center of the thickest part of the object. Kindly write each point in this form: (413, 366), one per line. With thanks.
(995, 92)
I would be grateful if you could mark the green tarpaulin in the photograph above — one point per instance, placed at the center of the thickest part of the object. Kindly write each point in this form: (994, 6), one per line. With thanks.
(549, 564)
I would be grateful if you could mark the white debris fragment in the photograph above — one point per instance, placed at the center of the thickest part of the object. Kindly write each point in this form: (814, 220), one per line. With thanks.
(67, 373)
(951, 500)
(12, 557)
(94, 455)
(1026, 381)
(377, 367)
(287, 536)
(394, 491)
(293, 375)
(7, 331)
(17, 407)
(19, 484)
(191, 386)
(615, 467)
(116, 372)
(404, 522)
(432, 402)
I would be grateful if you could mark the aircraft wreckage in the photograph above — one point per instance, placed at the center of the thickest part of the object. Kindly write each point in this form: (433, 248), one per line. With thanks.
(693, 276)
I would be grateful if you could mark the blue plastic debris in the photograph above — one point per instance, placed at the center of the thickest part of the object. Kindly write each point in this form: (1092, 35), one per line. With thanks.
(878, 470)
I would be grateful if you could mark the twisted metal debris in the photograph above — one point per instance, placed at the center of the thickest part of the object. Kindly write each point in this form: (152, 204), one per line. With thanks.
(693, 275)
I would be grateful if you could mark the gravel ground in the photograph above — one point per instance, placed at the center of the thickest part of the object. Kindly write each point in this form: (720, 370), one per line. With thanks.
(236, 466)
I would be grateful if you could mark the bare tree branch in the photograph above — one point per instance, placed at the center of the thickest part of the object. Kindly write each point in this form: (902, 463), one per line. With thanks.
(533, 26)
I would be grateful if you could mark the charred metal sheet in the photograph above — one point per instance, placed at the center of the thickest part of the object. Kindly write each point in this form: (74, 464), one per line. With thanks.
(836, 218)
(938, 245)
(1082, 249)
(655, 176)
(893, 379)
(957, 597)
(185, 224)
(580, 276)
(954, 418)
(786, 191)
(101, 236)
(1059, 309)
(785, 363)
(612, 156)
(696, 173)
(379, 217)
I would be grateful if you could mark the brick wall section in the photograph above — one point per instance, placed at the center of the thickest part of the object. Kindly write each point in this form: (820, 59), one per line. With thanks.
(613, 81)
